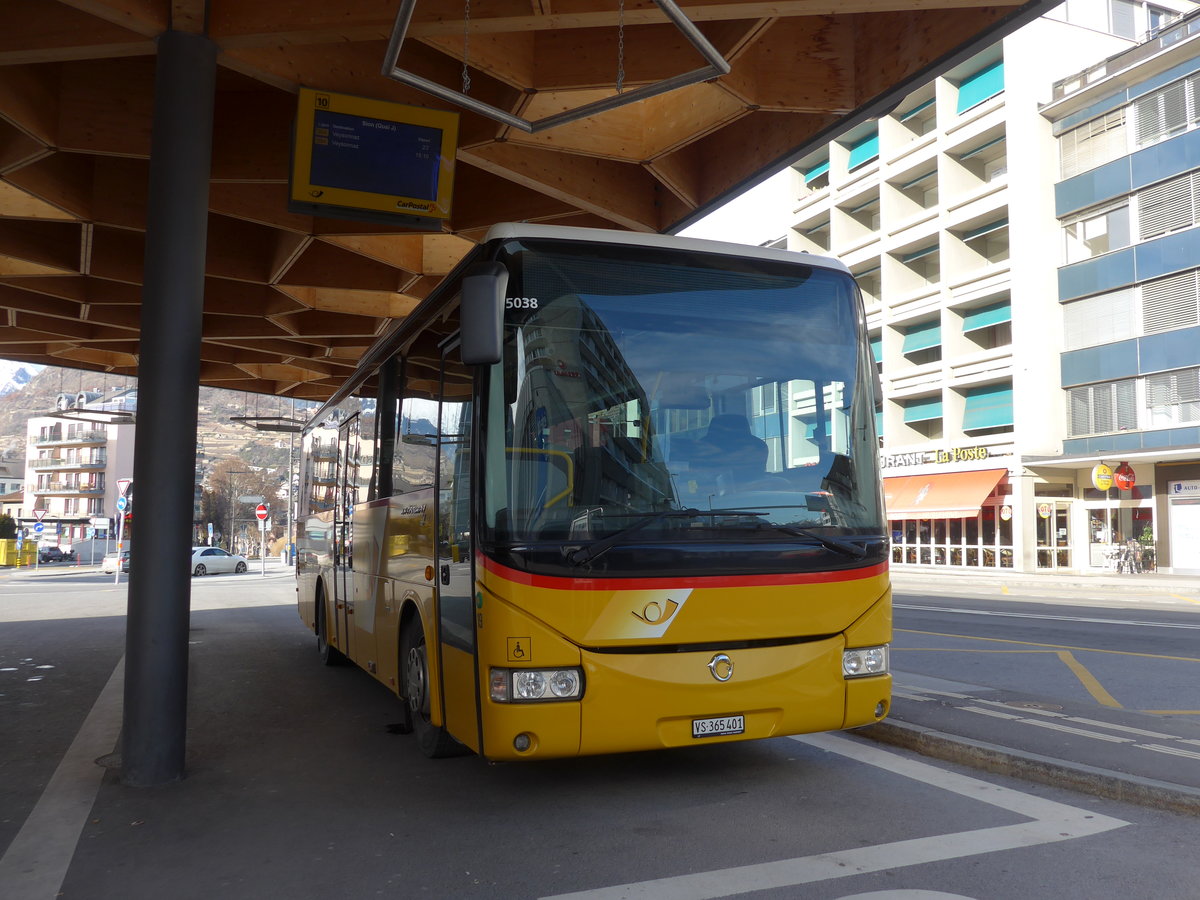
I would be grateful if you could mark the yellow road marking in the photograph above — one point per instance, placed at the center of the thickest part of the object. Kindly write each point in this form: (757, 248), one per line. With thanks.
(1004, 588)
(1188, 599)
(1088, 680)
(970, 637)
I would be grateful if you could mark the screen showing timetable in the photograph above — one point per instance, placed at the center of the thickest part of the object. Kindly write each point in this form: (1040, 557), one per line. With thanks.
(361, 154)
(372, 160)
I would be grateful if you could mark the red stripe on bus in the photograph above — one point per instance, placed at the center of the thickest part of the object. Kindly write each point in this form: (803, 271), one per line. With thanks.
(705, 581)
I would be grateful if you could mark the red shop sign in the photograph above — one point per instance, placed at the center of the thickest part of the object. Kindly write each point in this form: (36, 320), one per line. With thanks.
(1124, 478)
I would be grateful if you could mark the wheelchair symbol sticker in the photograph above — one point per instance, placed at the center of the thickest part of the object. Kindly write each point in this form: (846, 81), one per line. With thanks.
(519, 649)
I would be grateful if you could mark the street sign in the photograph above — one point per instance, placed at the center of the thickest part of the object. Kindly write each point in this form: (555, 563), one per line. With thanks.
(101, 522)
(39, 528)
(123, 485)
(261, 512)
(39, 514)
(121, 504)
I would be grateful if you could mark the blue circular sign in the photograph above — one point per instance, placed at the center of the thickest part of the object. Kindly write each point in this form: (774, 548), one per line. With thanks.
(121, 504)
(39, 528)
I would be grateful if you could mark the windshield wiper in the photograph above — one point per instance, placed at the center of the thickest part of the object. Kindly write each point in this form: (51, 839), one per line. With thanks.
(577, 556)
(829, 543)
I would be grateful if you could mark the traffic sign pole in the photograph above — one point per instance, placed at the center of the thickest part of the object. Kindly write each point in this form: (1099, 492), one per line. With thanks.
(262, 512)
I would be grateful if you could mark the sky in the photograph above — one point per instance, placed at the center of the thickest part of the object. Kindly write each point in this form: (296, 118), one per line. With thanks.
(761, 214)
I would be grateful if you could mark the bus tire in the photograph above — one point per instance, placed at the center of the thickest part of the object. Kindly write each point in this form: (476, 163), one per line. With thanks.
(330, 656)
(434, 741)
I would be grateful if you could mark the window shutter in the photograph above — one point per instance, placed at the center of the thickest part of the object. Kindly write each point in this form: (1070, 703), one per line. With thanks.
(1166, 207)
(1101, 319)
(1161, 113)
(1093, 143)
(1169, 303)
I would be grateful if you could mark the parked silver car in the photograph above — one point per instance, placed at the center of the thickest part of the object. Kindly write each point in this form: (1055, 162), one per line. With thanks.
(214, 560)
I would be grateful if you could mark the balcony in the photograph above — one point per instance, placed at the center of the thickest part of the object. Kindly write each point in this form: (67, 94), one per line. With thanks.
(60, 463)
(63, 488)
(57, 438)
(324, 451)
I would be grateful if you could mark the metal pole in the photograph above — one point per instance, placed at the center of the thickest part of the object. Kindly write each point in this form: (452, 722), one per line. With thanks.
(156, 655)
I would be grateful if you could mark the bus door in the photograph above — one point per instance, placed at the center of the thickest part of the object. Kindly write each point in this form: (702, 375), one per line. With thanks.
(343, 533)
(454, 563)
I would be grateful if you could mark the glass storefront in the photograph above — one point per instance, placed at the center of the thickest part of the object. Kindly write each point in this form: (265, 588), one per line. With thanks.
(981, 541)
(1121, 529)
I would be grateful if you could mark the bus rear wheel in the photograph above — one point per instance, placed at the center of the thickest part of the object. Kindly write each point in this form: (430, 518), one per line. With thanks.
(434, 741)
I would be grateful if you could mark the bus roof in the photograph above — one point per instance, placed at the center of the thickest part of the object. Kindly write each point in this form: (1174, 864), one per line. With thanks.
(518, 230)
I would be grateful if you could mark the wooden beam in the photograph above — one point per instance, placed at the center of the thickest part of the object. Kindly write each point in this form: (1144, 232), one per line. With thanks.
(324, 265)
(62, 181)
(145, 17)
(29, 35)
(240, 298)
(799, 65)
(376, 304)
(619, 192)
(20, 204)
(107, 107)
(29, 99)
(54, 244)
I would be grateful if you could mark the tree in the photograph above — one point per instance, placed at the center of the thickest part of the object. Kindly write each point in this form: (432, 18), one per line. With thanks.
(8, 528)
(230, 480)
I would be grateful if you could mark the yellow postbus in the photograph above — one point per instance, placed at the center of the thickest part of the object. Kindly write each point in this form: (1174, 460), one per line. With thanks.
(605, 492)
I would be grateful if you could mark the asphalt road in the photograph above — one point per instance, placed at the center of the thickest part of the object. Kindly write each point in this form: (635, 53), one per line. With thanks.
(297, 789)
(1117, 654)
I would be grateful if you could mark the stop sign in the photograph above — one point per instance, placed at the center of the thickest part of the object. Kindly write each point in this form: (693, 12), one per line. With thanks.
(261, 512)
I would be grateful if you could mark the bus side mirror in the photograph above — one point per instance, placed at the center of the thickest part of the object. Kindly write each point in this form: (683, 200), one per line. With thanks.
(481, 313)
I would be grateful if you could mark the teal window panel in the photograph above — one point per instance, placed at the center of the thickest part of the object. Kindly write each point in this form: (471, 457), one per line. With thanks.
(988, 407)
(923, 410)
(864, 151)
(983, 85)
(922, 337)
(878, 424)
(918, 254)
(985, 229)
(987, 316)
(877, 348)
(816, 172)
(916, 109)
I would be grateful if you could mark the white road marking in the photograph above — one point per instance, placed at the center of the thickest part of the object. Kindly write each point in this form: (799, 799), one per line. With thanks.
(35, 864)
(1111, 738)
(1124, 728)
(1174, 751)
(1049, 618)
(1050, 822)
(995, 713)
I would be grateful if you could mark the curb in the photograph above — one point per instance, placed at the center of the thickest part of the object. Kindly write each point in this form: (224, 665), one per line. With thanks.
(1033, 767)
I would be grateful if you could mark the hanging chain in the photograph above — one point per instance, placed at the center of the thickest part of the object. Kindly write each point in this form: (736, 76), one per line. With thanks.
(620, 45)
(466, 73)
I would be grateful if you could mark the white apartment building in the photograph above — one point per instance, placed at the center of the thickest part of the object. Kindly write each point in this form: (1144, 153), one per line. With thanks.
(73, 464)
(1128, 206)
(944, 210)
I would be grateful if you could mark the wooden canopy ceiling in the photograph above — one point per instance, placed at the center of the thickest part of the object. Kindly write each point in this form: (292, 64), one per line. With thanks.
(293, 301)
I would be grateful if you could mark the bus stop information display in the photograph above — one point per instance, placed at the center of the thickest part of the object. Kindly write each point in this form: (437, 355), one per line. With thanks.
(371, 159)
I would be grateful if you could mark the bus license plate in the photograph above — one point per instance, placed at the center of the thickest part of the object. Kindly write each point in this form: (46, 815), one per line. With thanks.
(718, 726)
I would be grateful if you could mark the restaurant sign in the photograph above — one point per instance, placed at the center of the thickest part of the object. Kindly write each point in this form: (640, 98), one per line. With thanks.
(925, 457)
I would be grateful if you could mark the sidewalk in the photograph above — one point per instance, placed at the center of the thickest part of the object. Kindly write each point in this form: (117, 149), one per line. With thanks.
(940, 579)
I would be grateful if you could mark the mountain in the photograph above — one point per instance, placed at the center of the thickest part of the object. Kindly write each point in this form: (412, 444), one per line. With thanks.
(217, 437)
(14, 376)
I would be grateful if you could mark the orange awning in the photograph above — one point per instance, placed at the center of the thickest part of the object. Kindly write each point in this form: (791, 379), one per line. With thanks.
(948, 495)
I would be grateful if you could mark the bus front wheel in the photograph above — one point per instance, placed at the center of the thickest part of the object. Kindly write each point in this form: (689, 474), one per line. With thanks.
(433, 740)
(329, 655)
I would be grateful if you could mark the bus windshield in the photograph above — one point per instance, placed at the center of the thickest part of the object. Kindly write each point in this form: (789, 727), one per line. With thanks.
(677, 398)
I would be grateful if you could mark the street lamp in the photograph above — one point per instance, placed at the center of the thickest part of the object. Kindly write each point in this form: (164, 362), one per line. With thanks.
(233, 502)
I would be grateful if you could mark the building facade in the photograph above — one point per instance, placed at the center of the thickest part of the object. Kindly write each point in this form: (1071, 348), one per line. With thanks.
(945, 212)
(74, 464)
(1128, 206)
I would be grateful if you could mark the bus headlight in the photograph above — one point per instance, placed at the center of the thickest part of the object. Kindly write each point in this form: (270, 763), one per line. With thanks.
(865, 661)
(531, 685)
